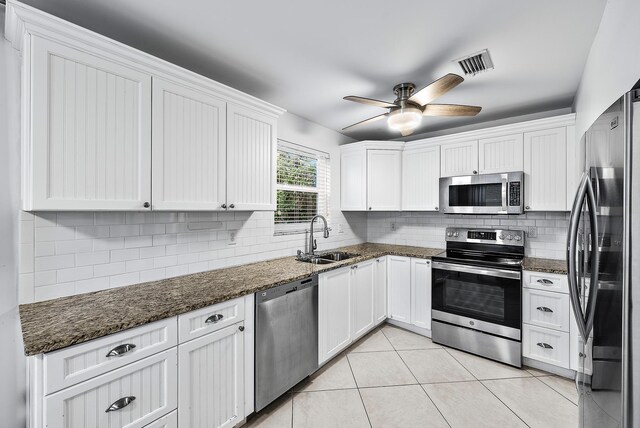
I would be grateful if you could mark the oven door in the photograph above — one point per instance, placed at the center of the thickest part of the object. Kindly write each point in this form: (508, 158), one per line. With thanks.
(478, 297)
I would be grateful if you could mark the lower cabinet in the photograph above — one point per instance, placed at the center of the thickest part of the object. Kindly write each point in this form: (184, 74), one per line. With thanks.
(212, 379)
(409, 290)
(349, 305)
(132, 396)
(380, 290)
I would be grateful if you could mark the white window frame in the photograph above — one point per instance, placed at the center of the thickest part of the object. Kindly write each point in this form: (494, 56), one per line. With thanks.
(323, 189)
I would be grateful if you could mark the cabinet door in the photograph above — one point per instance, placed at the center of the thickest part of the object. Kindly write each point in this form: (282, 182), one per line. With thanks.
(459, 158)
(211, 374)
(380, 290)
(421, 293)
(362, 292)
(384, 180)
(545, 166)
(500, 154)
(334, 313)
(353, 180)
(90, 132)
(545, 309)
(188, 148)
(399, 288)
(251, 160)
(420, 179)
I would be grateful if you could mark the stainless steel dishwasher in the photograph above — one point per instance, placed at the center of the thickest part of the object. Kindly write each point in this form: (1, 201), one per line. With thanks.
(286, 338)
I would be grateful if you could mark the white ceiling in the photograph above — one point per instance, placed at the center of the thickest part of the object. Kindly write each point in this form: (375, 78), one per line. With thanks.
(305, 56)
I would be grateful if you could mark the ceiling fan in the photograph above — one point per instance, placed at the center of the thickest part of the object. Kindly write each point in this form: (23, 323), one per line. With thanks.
(405, 113)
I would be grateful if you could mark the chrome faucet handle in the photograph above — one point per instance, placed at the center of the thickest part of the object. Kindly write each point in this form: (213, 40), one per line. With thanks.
(315, 245)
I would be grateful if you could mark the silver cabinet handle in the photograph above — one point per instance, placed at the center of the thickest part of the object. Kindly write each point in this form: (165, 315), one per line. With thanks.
(527, 207)
(232, 206)
(436, 208)
(241, 328)
(475, 172)
(545, 281)
(214, 318)
(354, 267)
(146, 205)
(121, 350)
(369, 208)
(582, 354)
(544, 345)
(223, 206)
(120, 404)
(544, 309)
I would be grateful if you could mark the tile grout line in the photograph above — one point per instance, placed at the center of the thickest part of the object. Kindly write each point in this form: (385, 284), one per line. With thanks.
(487, 388)
(359, 393)
(553, 389)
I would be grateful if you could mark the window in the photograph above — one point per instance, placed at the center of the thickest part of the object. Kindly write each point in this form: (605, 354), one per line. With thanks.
(302, 187)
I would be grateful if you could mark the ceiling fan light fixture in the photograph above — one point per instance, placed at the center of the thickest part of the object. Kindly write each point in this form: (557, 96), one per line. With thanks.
(405, 120)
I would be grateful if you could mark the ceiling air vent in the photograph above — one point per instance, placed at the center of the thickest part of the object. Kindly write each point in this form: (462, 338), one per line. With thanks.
(476, 63)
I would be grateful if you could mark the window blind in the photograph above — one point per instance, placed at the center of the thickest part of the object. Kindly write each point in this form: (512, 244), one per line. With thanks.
(303, 186)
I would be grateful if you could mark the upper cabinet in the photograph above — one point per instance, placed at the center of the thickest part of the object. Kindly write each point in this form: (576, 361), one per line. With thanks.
(459, 158)
(89, 131)
(420, 175)
(371, 176)
(500, 154)
(189, 148)
(107, 127)
(545, 166)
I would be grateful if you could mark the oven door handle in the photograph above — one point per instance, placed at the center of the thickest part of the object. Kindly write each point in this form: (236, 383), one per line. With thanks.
(477, 270)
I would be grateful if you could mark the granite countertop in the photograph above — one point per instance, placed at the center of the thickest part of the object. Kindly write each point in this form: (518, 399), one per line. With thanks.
(545, 265)
(58, 323)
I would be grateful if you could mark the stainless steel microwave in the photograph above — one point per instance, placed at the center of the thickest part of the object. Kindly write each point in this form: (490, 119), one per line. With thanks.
(483, 194)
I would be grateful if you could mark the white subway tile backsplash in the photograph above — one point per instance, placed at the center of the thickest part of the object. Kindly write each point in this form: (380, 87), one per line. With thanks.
(165, 261)
(153, 274)
(46, 233)
(124, 279)
(108, 269)
(74, 246)
(167, 239)
(124, 230)
(148, 252)
(45, 219)
(91, 232)
(74, 274)
(101, 218)
(152, 229)
(125, 254)
(94, 258)
(54, 262)
(138, 241)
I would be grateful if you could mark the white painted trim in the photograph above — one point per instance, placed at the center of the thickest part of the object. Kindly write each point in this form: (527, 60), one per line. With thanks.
(410, 327)
(373, 145)
(539, 365)
(22, 19)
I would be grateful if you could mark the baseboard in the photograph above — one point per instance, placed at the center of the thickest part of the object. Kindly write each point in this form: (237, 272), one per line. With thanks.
(560, 371)
(418, 330)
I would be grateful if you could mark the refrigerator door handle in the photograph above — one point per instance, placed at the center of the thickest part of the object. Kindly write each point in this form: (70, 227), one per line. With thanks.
(595, 261)
(572, 242)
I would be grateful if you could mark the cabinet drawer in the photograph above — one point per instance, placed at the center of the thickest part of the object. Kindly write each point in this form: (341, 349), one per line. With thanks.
(167, 421)
(544, 309)
(546, 345)
(152, 381)
(197, 323)
(78, 363)
(546, 281)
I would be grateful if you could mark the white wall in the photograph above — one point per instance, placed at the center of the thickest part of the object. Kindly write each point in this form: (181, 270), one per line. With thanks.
(66, 253)
(613, 64)
(12, 369)
(425, 229)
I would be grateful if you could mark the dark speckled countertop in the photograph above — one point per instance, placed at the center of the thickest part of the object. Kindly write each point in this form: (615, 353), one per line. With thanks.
(54, 324)
(58, 323)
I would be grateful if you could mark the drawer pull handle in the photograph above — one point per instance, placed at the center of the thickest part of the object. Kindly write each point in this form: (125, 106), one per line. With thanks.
(120, 404)
(544, 345)
(214, 318)
(544, 309)
(545, 281)
(121, 350)
(582, 354)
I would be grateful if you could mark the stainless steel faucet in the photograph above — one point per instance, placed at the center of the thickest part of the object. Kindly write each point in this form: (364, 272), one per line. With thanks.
(312, 242)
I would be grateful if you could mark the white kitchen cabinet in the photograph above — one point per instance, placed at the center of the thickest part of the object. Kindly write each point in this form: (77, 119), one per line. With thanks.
(362, 284)
(545, 166)
(421, 293)
(144, 391)
(380, 290)
(384, 180)
(211, 374)
(545, 309)
(334, 313)
(189, 148)
(87, 142)
(459, 158)
(500, 154)
(167, 421)
(420, 179)
(353, 180)
(546, 345)
(251, 160)
(399, 288)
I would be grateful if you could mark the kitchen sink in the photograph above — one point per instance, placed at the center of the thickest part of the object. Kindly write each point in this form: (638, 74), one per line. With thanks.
(318, 261)
(337, 256)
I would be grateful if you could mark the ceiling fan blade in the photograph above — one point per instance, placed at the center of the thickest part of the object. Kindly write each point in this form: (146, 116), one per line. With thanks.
(436, 89)
(369, 101)
(367, 121)
(450, 110)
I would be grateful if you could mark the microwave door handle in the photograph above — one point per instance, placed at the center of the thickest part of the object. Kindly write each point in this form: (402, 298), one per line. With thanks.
(505, 192)
(572, 241)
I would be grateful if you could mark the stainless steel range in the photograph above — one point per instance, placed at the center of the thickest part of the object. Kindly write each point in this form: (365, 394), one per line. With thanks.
(477, 293)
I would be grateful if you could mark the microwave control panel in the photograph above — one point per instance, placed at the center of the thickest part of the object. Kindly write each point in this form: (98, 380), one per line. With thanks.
(514, 194)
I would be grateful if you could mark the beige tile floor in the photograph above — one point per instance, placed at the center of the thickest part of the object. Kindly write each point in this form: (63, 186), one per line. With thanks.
(395, 378)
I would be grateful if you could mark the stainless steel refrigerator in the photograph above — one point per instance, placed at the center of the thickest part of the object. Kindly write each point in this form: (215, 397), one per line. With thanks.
(603, 267)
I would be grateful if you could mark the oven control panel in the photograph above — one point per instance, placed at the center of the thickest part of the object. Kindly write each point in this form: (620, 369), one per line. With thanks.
(489, 236)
